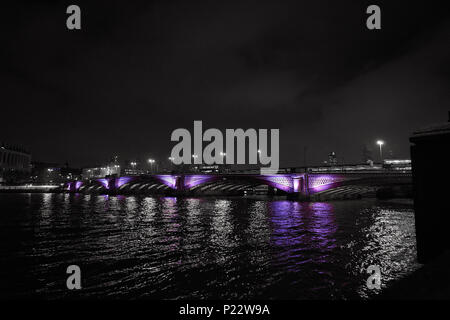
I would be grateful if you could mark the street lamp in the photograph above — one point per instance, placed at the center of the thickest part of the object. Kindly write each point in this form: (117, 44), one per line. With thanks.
(381, 143)
(133, 164)
(151, 161)
(171, 159)
(223, 155)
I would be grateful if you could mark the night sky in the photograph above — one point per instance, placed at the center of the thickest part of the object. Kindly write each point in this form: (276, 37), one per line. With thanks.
(137, 71)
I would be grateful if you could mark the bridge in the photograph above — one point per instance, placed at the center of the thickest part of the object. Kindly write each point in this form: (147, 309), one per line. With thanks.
(306, 185)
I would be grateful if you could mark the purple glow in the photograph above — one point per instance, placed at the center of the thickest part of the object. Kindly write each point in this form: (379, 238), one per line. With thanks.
(168, 180)
(104, 182)
(282, 182)
(321, 188)
(319, 183)
(122, 180)
(296, 183)
(78, 184)
(195, 180)
(290, 183)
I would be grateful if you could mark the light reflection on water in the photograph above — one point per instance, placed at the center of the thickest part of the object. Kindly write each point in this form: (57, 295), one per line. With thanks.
(170, 247)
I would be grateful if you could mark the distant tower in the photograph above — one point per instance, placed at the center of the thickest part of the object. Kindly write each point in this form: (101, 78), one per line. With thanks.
(332, 159)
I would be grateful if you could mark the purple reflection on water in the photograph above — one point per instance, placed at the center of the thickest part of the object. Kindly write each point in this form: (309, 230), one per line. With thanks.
(323, 224)
(69, 185)
(285, 219)
(299, 228)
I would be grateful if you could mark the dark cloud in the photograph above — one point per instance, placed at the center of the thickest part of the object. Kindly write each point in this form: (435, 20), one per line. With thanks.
(135, 72)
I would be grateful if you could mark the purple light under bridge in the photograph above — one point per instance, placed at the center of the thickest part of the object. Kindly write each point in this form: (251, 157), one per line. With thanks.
(195, 180)
(105, 182)
(168, 180)
(287, 183)
(123, 180)
(322, 182)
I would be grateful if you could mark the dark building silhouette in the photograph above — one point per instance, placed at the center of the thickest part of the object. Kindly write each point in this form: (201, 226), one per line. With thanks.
(429, 152)
(14, 163)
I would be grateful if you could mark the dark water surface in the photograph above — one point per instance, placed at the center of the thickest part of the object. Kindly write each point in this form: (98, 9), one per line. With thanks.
(164, 247)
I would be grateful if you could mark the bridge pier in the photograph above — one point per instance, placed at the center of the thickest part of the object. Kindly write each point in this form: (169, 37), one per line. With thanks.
(180, 189)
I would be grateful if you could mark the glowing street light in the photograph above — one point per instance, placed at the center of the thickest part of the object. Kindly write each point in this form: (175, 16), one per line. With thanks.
(381, 143)
(151, 161)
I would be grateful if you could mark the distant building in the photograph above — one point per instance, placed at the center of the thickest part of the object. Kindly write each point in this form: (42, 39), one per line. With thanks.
(14, 163)
(397, 164)
(53, 173)
(133, 168)
(101, 171)
(332, 159)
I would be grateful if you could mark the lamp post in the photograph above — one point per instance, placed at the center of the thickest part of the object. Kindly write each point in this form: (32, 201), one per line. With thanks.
(381, 143)
(194, 156)
(223, 155)
(151, 161)
(133, 165)
(171, 159)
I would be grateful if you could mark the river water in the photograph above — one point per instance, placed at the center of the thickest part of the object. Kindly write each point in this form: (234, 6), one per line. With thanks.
(201, 248)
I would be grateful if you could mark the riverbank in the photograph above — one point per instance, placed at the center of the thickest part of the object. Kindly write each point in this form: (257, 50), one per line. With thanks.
(29, 188)
(402, 201)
